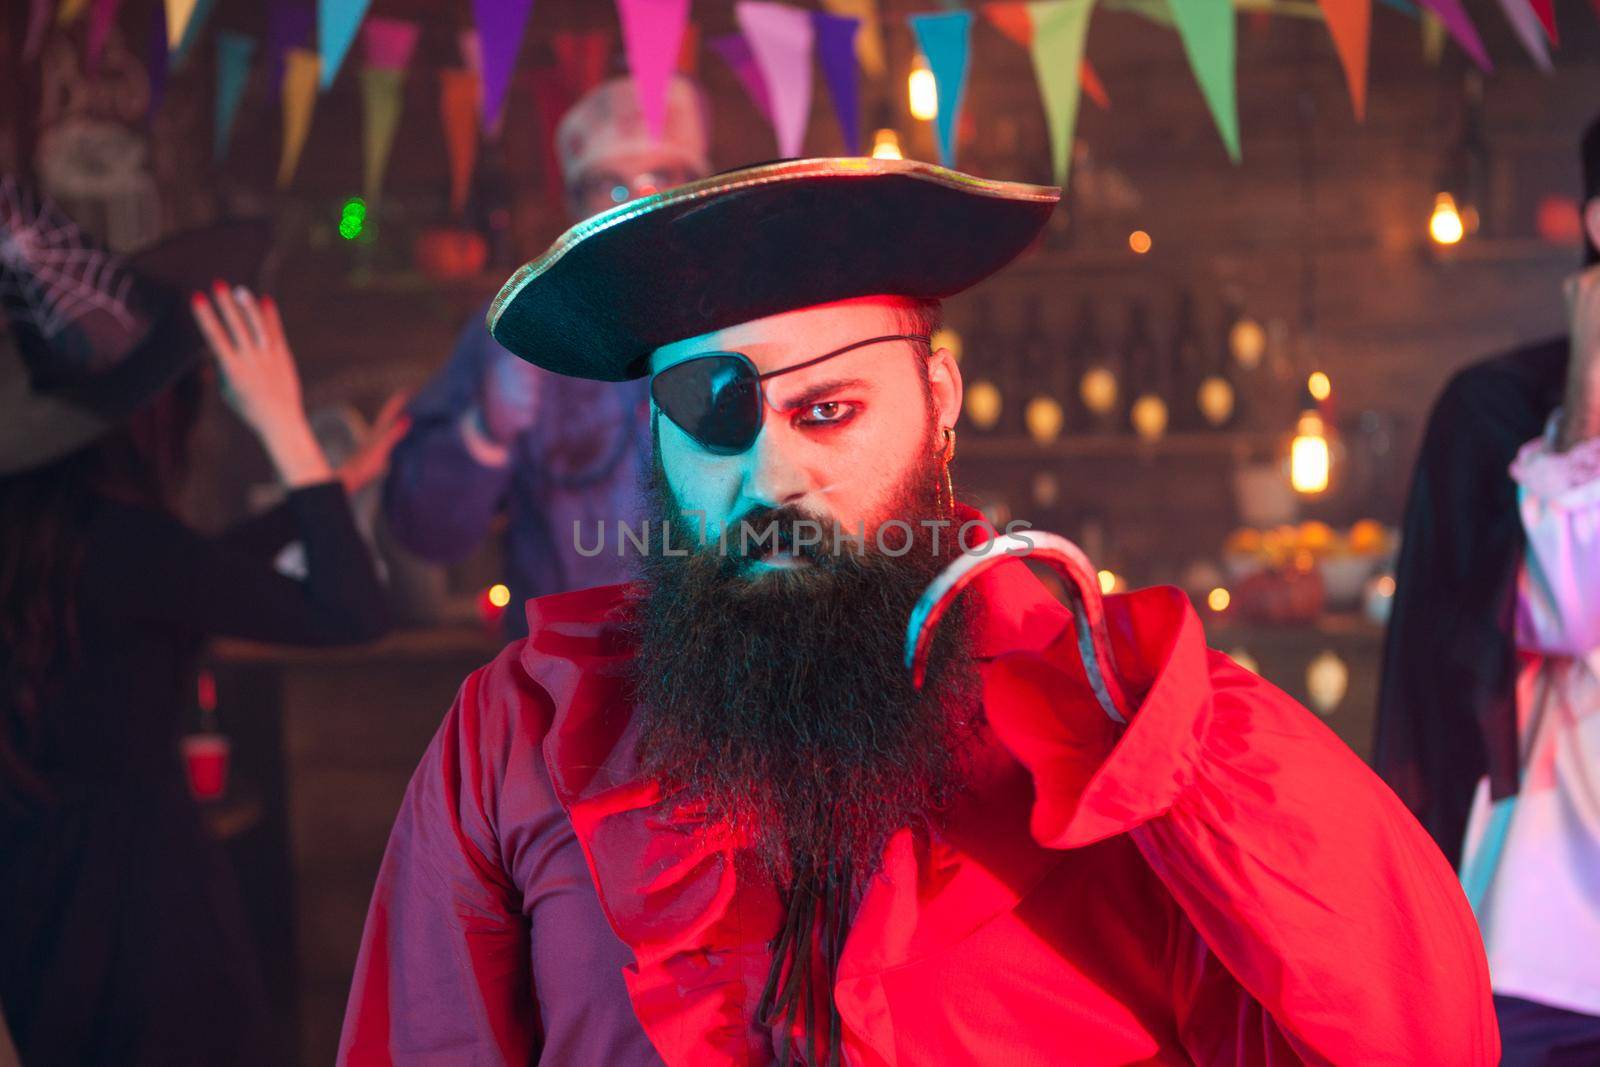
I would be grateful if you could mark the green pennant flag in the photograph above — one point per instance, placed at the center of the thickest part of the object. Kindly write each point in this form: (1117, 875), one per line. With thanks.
(1059, 29)
(1207, 29)
(381, 100)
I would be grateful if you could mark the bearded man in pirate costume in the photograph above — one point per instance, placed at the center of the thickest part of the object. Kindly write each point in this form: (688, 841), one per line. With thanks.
(710, 817)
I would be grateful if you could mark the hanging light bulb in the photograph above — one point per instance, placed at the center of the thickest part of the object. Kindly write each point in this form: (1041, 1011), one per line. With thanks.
(924, 91)
(886, 145)
(1446, 226)
(1309, 455)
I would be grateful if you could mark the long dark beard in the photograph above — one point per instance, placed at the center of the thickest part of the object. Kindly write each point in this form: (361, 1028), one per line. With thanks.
(780, 704)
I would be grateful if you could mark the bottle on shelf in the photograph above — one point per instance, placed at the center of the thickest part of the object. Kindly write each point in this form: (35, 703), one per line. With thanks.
(1042, 416)
(983, 405)
(1187, 361)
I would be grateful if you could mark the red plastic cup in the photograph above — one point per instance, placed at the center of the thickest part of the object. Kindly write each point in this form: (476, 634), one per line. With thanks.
(205, 757)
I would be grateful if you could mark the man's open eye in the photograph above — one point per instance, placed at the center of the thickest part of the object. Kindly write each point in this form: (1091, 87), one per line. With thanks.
(827, 413)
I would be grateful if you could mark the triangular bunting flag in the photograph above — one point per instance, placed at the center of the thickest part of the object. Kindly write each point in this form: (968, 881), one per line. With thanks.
(1546, 11)
(945, 42)
(194, 14)
(382, 98)
(388, 43)
(652, 31)
(299, 100)
(735, 51)
(1532, 35)
(1460, 27)
(234, 52)
(1094, 86)
(288, 26)
(1011, 18)
(1059, 29)
(780, 38)
(836, 47)
(689, 52)
(1350, 26)
(458, 110)
(1207, 30)
(102, 13)
(869, 41)
(501, 26)
(337, 22)
(1433, 38)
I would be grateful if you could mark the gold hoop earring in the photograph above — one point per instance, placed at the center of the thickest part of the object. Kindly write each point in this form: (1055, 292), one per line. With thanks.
(945, 495)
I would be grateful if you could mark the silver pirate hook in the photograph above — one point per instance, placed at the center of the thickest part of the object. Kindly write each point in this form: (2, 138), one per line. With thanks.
(1083, 592)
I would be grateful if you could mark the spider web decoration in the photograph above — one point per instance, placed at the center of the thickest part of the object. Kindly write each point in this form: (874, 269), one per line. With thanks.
(62, 294)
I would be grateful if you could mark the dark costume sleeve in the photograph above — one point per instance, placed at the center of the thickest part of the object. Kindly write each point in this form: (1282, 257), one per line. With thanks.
(1446, 706)
(444, 973)
(439, 500)
(146, 567)
(1322, 924)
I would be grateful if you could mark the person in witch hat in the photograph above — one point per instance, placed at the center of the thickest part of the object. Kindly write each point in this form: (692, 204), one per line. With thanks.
(1489, 707)
(495, 435)
(710, 817)
(123, 937)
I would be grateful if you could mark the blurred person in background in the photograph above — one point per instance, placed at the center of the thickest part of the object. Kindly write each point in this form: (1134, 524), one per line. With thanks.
(1489, 711)
(122, 938)
(493, 434)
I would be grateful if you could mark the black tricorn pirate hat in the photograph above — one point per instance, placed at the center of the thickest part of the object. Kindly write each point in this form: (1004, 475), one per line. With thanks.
(754, 242)
(87, 336)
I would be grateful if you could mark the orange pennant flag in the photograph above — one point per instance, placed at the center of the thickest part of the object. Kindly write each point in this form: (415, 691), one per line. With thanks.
(458, 109)
(1350, 25)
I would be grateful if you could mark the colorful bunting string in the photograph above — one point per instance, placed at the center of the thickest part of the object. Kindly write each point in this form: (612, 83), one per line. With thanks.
(299, 100)
(1525, 24)
(501, 26)
(459, 91)
(1461, 29)
(869, 41)
(836, 48)
(735, 51)
(288, 26)
(234, 52)
(945, 43)
(652, 31)
(781, 39)
(1350, 26)
(337, 23)
(1059, 29)
(1207, 30)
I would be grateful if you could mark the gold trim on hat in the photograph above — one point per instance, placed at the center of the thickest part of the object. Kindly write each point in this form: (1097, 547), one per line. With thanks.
(749, 177)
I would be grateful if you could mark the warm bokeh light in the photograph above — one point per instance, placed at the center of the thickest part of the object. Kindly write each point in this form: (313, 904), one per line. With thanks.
(499, 595)
(1044, 418)
(1218, 599)
(352, 218)
(1386, 585)
(1319, 385)
(1445, 226)
(886, 145)
(1327, 681)
(1108, 581)
(1215, 399)
(947, 338)
(1149, 417)
(983, 404)
(924, 92)
(1098, 390)
(1247, 341)
(1244, 659)
(1139, 241)
(1309, 456)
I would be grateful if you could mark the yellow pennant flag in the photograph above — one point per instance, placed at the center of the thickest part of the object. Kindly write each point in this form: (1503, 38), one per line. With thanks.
(300, 68)
(869, 39)
(179, 12)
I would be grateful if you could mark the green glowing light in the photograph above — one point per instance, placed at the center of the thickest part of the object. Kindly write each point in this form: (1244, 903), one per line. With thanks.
(352, 218)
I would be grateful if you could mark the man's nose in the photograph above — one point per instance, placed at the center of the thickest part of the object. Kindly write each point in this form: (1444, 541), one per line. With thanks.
(773, 476)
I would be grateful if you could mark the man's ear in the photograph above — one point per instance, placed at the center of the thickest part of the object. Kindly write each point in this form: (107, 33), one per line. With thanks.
(1591, 220)
(944, 383)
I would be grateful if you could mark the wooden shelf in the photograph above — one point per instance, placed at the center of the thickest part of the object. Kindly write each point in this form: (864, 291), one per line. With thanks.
(1070, 446)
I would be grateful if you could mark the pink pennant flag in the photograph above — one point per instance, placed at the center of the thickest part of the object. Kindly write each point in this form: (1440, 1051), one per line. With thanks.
(102, 13)
(781, 39)
(652, 35)
(1460, 27)
(501, 27)
(387, 43)
(1526, 25)
(735, 51)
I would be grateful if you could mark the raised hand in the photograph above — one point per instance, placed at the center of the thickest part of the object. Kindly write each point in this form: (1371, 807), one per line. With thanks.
(259, 379)
(371, 457)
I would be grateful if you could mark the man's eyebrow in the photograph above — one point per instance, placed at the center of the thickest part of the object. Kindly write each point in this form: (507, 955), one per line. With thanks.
(812, 394)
